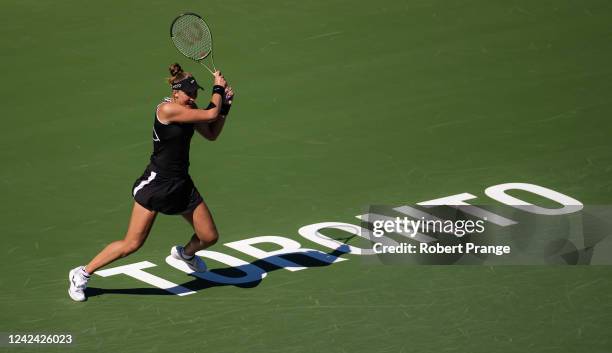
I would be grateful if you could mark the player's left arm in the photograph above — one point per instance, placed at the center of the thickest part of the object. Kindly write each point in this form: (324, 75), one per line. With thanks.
(212, 130)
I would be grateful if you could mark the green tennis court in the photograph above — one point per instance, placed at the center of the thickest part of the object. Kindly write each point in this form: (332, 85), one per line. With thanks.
(340, 105)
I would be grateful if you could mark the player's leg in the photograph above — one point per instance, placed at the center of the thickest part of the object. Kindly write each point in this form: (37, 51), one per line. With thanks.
(205, 235)
(204, 227)
(140, 225)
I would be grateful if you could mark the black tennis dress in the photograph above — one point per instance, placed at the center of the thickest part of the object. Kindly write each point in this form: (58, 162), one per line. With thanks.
(165, 186)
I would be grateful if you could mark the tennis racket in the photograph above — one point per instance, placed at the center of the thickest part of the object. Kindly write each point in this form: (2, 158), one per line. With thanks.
(191, 36)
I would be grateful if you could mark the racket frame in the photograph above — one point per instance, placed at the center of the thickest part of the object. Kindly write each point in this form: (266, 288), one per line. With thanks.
(210, 53)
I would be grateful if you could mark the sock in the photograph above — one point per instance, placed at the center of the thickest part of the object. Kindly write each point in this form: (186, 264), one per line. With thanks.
(185, 256)
(84, 273)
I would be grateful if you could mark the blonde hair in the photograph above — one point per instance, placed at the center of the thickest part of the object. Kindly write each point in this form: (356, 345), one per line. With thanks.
(176, 74)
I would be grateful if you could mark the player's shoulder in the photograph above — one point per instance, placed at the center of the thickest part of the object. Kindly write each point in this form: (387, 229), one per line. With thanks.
(168, 107)
(166, 110)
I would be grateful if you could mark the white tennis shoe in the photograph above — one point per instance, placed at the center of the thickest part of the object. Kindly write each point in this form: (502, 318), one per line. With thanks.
(78, 282)
(195, 263)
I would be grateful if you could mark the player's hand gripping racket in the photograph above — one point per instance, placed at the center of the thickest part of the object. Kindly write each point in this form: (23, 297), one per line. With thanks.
(191, 36)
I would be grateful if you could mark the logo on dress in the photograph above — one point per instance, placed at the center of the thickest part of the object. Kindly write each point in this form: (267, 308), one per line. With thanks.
(155, 137)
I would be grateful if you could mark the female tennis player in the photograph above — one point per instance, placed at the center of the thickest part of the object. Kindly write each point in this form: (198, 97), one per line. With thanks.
(166, 186)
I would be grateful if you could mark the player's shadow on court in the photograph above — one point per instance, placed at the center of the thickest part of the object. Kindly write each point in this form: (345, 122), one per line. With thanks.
(305, 259)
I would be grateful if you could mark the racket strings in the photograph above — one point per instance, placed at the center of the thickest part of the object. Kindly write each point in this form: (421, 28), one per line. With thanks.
(192, 37)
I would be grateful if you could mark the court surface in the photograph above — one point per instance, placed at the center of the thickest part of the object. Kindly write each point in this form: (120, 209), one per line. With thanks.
(339, 105)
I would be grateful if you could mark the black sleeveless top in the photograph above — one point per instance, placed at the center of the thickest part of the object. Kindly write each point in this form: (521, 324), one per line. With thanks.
(171, 144)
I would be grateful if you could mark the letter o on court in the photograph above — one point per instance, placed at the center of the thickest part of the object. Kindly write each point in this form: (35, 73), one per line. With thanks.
(312, 233)
(498, 192)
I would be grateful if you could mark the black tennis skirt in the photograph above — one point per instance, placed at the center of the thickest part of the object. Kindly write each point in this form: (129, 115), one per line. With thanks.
(168, 195)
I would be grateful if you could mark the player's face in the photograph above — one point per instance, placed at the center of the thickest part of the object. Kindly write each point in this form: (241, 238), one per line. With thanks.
(185, 98)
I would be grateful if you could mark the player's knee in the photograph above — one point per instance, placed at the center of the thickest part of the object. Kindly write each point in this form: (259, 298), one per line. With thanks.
(130, 246)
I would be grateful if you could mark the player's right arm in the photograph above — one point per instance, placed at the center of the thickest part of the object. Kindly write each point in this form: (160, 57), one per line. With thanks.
(176, 113)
